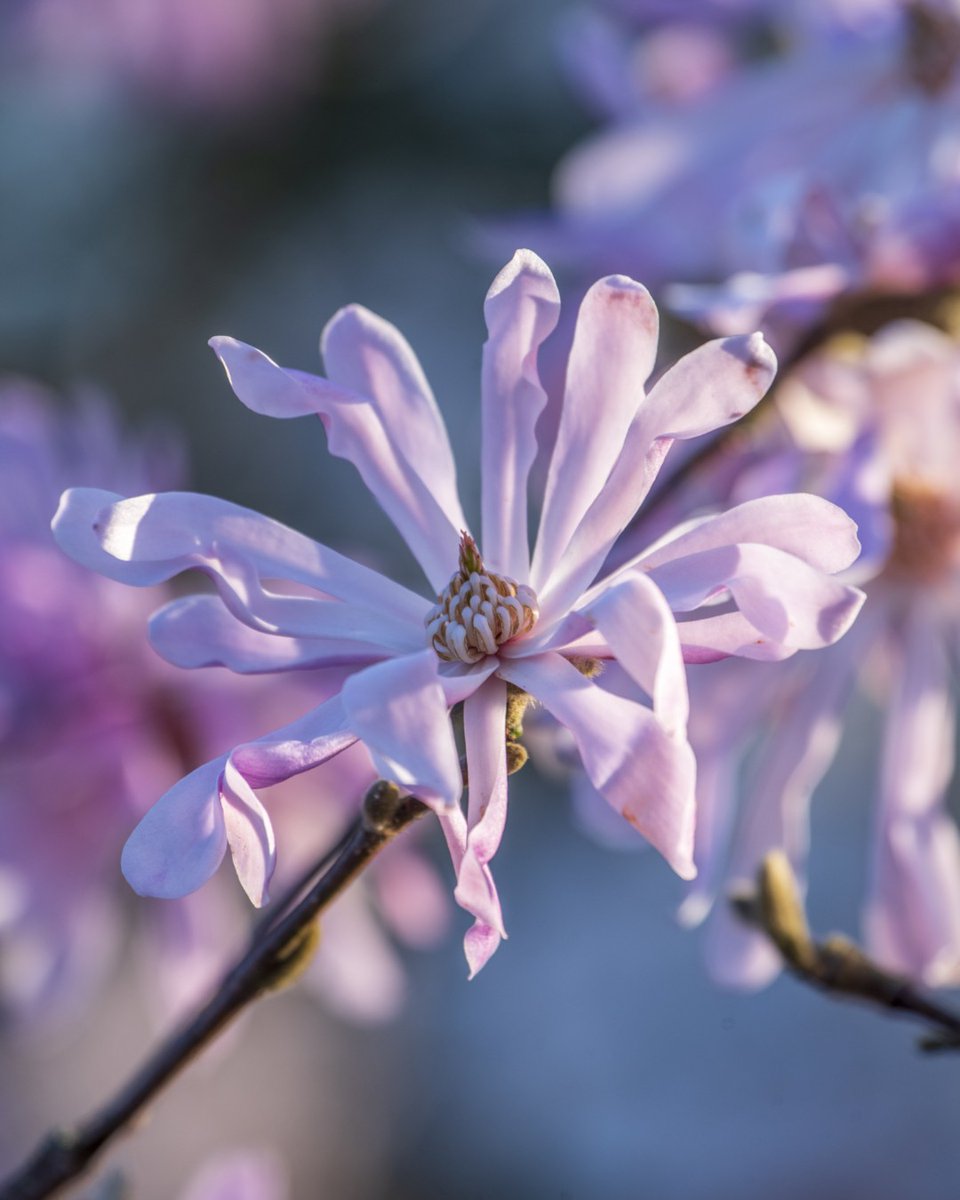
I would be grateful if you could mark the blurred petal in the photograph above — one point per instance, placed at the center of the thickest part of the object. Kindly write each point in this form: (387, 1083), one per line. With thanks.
(521, 310)
(646, 775)
(912, 913)
(396, 439)
(807, 727)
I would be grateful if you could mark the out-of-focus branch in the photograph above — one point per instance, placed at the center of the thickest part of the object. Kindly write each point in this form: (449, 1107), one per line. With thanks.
(275, 958)
(835, 965)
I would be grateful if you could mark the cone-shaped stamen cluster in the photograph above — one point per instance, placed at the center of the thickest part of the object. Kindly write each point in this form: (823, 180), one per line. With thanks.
(478, 611)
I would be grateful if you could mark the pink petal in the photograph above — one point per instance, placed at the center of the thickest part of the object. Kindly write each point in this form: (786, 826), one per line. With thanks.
(645, 774)
(395, 440)
(776, 592)
(712, 386)
(708, 388)
(398, 710)
(250, 834)
(484, 719)
(613, 352)
(912, 914)
(296, 747)
(148, 539)
(522, 308)
(640, 629)
(199, 631)
(181, 841)
(710, 639)
(808, 527)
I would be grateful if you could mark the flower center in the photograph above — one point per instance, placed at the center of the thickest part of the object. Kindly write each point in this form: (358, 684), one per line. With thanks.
(926, 529)
(478, 611)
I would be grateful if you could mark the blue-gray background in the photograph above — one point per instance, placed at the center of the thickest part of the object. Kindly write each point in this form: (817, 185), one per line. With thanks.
(592, 1058)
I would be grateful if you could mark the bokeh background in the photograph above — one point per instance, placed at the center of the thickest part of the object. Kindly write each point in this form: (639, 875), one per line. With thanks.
(593, 1057)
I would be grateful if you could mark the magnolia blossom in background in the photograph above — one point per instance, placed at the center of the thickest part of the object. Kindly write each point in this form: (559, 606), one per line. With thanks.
(496, 618)
(94, 725)
(217, 55)
(779, 184)
(876, 425)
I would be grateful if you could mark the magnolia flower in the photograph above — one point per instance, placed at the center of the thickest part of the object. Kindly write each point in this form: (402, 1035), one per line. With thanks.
(876, 425)
(498, 622)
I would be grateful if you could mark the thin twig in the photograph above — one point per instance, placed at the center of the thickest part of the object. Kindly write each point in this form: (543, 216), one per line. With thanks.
(269, 964)
(836, 965)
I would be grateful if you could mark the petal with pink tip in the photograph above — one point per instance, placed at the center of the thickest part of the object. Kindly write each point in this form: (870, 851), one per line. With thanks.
(708, 388)
(398, 710)
(645, 774)
(613, 351)
(912, 913)
(181, 841)
(522, 308)
(396, 441)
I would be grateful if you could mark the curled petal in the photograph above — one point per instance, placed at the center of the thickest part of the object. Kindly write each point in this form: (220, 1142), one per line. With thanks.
(181, 841)
(522, 308)
(149, 539)
(249, 834)
(484, 719)
(199, 631)
(398, 710)
(641, 631)
(777, 593)
(396, 441)
(644, 773)
(808, 527)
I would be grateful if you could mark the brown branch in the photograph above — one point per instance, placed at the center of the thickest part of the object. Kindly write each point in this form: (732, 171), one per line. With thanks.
(274, 960)
(835, 965)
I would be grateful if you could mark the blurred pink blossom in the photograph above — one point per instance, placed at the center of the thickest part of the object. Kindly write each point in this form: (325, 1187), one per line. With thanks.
(506, 618)
(210, 54)
(877, 427)
(830, 167)
(94, 724)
